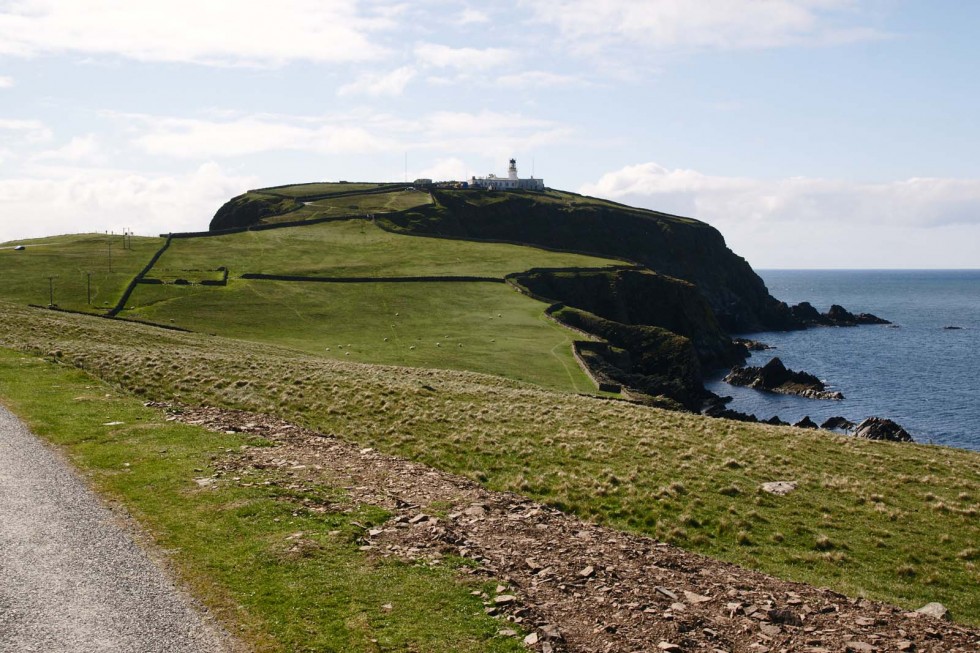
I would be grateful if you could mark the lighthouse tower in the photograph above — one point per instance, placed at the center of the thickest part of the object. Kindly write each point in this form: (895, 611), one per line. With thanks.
(510, 182)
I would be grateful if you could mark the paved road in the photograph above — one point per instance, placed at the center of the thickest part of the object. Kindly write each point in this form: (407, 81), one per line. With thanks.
(70, 578)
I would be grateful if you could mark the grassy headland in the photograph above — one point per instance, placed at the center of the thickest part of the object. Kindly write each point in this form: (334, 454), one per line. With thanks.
(356, 248)
(895, 522)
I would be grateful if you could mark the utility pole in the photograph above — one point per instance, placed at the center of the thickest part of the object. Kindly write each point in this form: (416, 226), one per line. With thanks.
(50, 291)
(88, 284)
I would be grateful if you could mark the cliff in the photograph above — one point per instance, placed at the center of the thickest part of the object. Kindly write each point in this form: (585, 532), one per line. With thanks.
(671, 245)
(249, 209)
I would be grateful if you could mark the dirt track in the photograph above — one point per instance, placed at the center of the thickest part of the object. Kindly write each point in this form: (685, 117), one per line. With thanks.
(574, 585)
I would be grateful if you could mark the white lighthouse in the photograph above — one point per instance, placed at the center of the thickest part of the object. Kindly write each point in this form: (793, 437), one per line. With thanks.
(510, 182)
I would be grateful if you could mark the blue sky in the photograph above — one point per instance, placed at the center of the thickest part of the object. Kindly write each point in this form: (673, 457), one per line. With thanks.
(812, 133)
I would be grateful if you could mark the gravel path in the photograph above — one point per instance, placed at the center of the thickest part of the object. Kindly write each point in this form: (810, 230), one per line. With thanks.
(71, 579)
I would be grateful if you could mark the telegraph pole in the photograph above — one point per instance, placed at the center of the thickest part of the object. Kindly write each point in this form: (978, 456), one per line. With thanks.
(50, 291)
(88, 284)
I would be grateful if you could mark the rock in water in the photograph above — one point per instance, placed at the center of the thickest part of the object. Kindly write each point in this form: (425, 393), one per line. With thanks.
(879, 428)
(838, 422)
(807, 315)
(806, 423)
(775, 377)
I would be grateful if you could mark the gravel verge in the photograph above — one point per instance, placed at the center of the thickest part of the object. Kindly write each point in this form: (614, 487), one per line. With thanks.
(71, 577)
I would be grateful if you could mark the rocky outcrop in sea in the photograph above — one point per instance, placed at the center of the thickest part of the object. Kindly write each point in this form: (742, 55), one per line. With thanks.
(776, 377)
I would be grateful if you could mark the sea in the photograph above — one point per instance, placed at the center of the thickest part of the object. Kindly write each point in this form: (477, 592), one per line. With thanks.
(917, 372)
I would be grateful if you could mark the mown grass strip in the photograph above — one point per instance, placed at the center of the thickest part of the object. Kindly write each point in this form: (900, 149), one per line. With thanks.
(284, 577)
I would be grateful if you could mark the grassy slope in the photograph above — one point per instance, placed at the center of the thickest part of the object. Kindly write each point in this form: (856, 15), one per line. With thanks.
(355, 248)
(360, 204)
(300, 191)
(24, 275)
(501, 332)
(484, 327)
(888, 521)
(233, 545)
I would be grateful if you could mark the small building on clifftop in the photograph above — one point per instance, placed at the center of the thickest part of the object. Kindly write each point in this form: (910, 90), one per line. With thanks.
(510, 182)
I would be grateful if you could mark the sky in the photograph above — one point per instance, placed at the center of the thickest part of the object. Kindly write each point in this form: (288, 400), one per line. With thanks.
(811, 133)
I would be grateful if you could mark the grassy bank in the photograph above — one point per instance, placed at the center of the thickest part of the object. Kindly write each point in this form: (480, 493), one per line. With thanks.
(237, 547)
(483, 327)
(356, 248)
(76, 264)
(888, 521)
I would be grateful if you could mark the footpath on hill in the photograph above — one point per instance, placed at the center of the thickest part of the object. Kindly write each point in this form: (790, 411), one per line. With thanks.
(71, 578)
(566, 584)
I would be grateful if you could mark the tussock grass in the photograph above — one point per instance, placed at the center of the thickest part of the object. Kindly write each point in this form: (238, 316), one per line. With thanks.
(285, 576)
(669, 475)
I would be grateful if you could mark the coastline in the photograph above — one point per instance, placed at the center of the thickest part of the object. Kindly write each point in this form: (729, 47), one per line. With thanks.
(917, 372)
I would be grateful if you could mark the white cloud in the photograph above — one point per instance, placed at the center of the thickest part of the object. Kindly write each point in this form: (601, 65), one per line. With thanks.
(487, 133)
(802, 222)
(443, 56)
(470, 16)
(197, 139)
(101, 200)
(706, 24)
(451, 169)
(539, 79)
(6, 81)
(392, 83)
(78, 150)
(220, 32)
(33, 131)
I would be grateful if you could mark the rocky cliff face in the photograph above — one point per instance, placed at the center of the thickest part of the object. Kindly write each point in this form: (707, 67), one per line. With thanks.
(639, 298)
(678, 247)
(249, 209)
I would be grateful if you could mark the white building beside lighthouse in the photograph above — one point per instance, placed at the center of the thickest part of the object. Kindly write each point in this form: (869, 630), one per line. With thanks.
(510, 182)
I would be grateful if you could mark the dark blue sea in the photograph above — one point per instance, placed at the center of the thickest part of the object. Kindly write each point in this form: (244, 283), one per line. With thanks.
(920, 374)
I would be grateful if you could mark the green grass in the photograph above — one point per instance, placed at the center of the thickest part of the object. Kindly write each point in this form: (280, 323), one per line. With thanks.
(69, 259)
(889, 521)
(300, 191)
(484, 327)
(358, 205)
(230, 542)
(355, 248)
